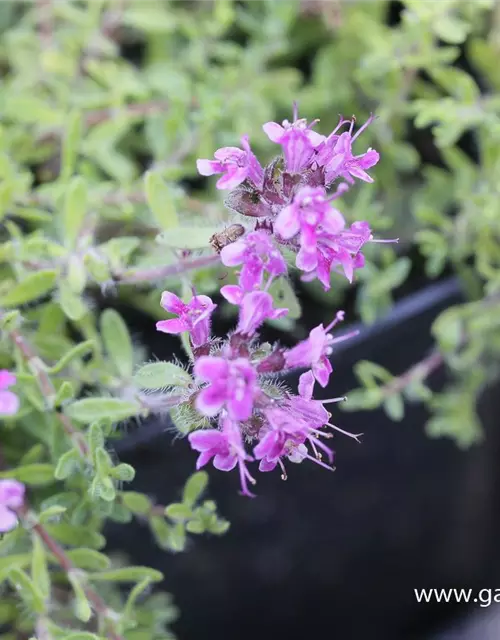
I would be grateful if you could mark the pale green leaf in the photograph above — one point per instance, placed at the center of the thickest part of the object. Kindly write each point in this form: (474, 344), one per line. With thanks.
(34, 286)
(158, 375)
(91, 409)
(117, 342)
(161, 201)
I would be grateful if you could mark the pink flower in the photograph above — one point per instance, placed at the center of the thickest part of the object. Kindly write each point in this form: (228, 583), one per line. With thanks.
(11, 497)
(315, 350)
(232, 384)
(9, 402)
(258, 255)
(193, 317)
(311, 215)
(297, 139)
(256, 308)
(235, 165)
(341, 250)
(337, 159)
(226, 448)
(348, 166)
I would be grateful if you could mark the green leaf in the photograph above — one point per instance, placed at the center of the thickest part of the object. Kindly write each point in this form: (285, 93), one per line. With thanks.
(133, 596)
(448, 329)
(127, 574)
(71, 140)
(284, 296)
(71, 303)
(39, 570)
(187, 237)
(82, 607)
(123, 472)
(88, 559)
(117, 342)
(78, 351)
(178, 511)
(76, 535)
(65, 392)
(158, 375)
(394, 407)
(194, 487)
(138, 503)
(75, 209)
(36, 475)
(177, 540)
(34, 286)
(68, 464)
(161, 201)
(27, 590)
(18, 560)
(92, 409)
(96, 439)
(51, 513)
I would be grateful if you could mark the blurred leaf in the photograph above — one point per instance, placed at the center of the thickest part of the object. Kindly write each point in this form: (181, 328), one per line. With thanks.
(117, 342)
(71, 140)
(36, 475)
(127, 574)
(194, 488)
(161, 201)
(91, 409)
(34, 286)
(188, 237)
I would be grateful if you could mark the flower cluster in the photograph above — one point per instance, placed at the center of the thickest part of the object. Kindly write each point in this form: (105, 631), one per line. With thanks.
(291, 199)
(235, 386)
(248, 414)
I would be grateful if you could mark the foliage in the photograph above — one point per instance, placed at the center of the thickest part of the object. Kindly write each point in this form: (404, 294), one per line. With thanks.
(105, 107)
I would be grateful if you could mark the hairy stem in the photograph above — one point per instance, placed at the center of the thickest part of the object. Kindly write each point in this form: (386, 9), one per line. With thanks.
(131, 276)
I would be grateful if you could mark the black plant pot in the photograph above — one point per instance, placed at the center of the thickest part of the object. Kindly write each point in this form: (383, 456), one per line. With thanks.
(336, 554)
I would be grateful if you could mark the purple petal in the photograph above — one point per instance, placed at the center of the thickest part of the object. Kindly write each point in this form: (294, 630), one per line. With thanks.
(359, 173)
(209, 167)
(8, 519)
(9, 403)
(210, 400)
(316, 139)
(232, 293)
(174, 326)
(234, 253)
(211, 368)
(7, 379)
(287, 223)
(306, 385)
(229, 154)
(240, 408)
(306, 260)
(267, 465)
(11, 493)
(172, 303)
(232, 178)
(204, 458)
(225, 462)
(273, 131)
(322, 371)
(207, 439)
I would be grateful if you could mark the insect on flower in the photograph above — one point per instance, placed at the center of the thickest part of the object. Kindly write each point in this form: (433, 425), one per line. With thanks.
(221, 239)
